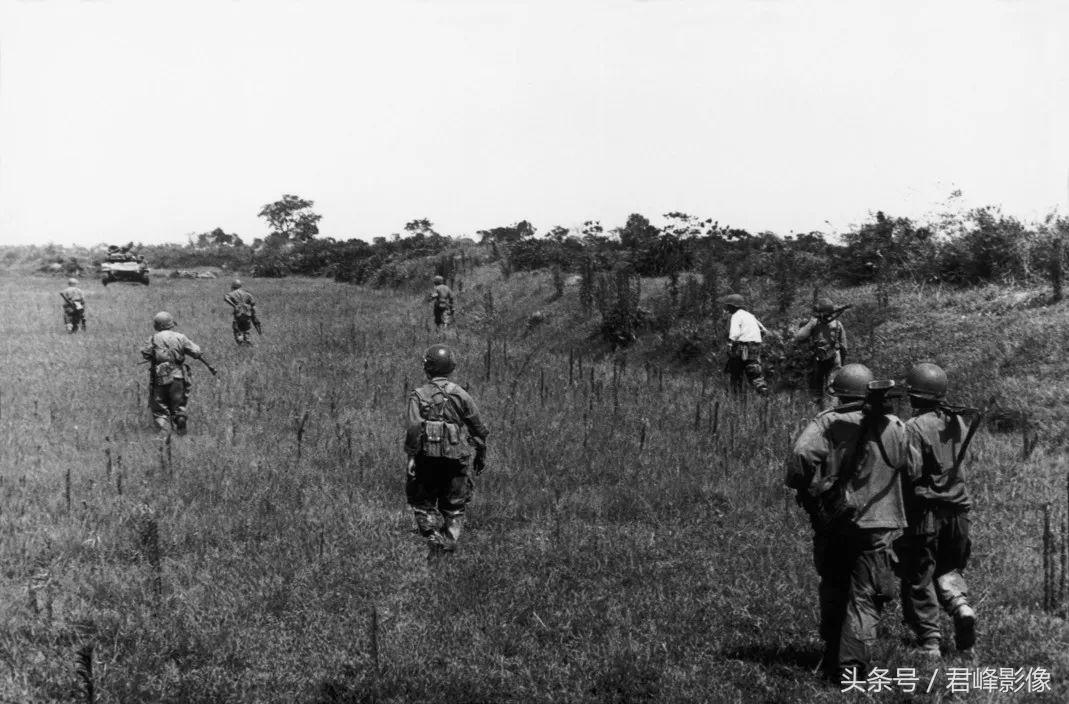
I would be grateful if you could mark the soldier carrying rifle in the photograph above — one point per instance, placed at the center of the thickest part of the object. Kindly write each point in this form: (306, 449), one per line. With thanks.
(73, 306)
(827, 343)
(935, 548)
(245, 319)
(169, 375)
(848, 468)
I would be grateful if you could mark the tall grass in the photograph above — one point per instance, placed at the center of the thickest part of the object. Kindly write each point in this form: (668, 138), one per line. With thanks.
(631, 540)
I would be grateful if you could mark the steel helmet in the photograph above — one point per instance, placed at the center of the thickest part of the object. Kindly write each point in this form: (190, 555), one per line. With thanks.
(72, 282)
(438, 280)
(927, 381)
(236, 283)
(733, 299)
(852, 381)
(822, 306)
(163, 321)
(439, 360)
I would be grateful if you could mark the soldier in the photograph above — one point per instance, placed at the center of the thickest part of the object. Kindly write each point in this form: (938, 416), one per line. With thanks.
(245, 319)
(169, 374)
(443, 303)
(936, 546)
(444, 433)
(744, 339)
(847, 469)
(73, 307)
(827, 341)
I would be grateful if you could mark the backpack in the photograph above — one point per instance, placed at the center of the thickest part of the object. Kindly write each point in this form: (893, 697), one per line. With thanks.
(242, 309)
(441, 431)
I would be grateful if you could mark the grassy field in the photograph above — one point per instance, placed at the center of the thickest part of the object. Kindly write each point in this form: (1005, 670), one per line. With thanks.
(630, 542)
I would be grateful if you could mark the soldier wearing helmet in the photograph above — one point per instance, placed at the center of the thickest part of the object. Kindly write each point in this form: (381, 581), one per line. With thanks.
(827, 343)
(847, 469)
(936, 546)
(169, 375)
(442, 296)
(445, 442)
(244, 309)
(744, 345)
(73, 307)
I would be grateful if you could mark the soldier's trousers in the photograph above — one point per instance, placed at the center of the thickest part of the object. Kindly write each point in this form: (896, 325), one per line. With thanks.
(442, 316)
(820, 376)
(440, 487)
(739, 368)
(856, 580)
(74, 319)
(932, 556)
(242, 327)
(168, 403)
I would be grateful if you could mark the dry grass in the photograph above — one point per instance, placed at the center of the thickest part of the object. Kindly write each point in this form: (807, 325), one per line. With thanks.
(630, 542)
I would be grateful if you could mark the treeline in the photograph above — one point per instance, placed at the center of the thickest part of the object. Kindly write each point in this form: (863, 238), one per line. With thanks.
(978, 246)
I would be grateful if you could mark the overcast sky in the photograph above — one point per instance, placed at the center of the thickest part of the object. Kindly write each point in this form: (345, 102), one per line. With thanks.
(148, 121)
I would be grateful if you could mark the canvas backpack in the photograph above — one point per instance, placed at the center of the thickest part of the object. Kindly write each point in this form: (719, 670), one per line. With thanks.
(442, 430)
(242, 309)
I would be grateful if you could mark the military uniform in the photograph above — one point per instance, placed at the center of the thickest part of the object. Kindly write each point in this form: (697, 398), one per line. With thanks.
(442, 296)
(73, 308)
(244, 306)
(171, 380)
(852, 553)
(827, 340)
(443, 435)
(936, 546)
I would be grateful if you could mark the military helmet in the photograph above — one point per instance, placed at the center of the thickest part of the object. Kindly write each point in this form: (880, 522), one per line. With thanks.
(733, 299)
(438, 280)
(439, 360)
(927, 381)
(72, 282)
(236, 283)
(163, 321)
(852, 381)
(823, 306)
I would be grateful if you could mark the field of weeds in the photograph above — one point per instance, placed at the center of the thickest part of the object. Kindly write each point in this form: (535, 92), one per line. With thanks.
(630, 541)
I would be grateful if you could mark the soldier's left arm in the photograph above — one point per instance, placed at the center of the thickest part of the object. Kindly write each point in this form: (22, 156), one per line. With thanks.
(842, 336)
(471, 416)
(810, 451)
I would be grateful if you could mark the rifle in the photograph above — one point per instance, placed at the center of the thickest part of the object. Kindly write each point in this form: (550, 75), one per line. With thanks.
(973, 427)
(256, 324)
(828, 317)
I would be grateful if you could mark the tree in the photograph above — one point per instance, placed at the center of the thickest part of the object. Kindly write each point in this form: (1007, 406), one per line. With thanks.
(291, 220)
(422, 227)
(218, 238)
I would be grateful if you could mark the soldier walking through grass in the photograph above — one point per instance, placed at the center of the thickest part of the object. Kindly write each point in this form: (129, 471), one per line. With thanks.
(827, 343)
(442, 296)
(445, 442)
(847, 469)
(244, 308)
(744, 345)
(935, 549)
(73, 307)
(169, 375)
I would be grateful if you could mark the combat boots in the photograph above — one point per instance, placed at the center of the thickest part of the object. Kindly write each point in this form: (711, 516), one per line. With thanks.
(451, 532)
(964, 627)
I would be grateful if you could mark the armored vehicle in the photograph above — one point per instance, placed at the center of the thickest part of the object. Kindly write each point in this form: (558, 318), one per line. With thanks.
(121, 265)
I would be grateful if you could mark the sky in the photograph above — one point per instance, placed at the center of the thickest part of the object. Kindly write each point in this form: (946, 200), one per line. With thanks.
(148, 121)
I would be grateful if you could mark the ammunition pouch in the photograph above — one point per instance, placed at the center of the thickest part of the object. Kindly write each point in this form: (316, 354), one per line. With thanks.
(744, 350)
(834, 507)
(164, 373)
(443, 439)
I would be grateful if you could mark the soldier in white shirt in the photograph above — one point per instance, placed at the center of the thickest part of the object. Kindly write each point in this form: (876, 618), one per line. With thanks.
(744, 339)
